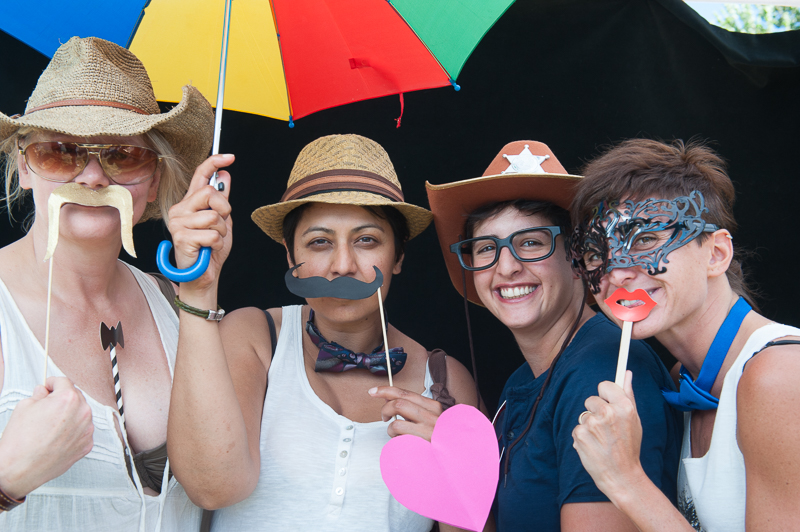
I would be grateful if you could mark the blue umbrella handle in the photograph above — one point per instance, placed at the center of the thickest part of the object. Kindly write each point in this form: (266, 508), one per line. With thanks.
(176, 274)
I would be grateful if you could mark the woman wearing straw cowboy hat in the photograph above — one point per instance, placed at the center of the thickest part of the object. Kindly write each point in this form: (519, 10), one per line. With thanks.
(504, 239)
(271, 419)
(91, 129)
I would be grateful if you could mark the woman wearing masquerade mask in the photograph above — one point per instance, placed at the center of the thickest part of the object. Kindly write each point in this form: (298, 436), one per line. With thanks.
(503, 236)
(641, 204)
(271, 419)
(92, 128)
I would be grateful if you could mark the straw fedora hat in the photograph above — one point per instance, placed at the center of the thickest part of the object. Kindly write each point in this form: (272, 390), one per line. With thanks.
(523, 169)
(94, 87)
(341, 169)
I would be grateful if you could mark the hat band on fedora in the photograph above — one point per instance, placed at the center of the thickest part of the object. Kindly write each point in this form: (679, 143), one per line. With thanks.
(330, 181)
(101, 103)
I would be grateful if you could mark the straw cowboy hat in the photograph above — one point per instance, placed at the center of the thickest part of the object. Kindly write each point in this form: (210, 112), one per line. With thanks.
(524, 169)
(341, 169)
(94, 87)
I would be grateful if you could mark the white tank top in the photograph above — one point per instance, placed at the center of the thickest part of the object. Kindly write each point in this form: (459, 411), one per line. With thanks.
(319, 471)
(711, 489)
(96, 493)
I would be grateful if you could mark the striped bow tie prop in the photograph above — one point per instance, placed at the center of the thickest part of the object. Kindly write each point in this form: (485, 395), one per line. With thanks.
(110, 337)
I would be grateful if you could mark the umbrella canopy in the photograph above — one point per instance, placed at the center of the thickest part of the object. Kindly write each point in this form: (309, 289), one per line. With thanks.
(286, 58)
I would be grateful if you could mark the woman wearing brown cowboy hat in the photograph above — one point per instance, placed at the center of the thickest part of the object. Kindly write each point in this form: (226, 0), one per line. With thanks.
(504, 237)
(91, 129)
(271, 417)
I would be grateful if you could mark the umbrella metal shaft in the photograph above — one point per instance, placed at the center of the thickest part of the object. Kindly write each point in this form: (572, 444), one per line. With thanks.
(223, 61)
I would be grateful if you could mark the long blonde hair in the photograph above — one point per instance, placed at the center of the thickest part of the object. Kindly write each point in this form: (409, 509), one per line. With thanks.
(175, 176)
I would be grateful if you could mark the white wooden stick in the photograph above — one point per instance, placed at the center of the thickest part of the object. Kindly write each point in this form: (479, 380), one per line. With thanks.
(47, 320)
(624, 346)
(385, 340)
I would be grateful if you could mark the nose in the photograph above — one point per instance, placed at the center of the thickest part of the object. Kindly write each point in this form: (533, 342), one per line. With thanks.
(622, 276)
(344, 261)
(507, 265)
(93, 176)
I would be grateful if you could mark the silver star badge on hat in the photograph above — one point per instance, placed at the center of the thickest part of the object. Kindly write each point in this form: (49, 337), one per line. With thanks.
(525, 162)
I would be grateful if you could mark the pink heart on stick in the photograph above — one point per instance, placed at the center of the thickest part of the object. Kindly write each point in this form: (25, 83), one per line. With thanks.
(453, 478)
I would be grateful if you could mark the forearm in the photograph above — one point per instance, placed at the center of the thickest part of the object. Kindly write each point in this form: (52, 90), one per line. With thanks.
(13, 480)
(647, 506)
(207, 435)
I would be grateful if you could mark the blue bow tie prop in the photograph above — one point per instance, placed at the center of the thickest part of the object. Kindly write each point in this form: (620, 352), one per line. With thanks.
(696, 395)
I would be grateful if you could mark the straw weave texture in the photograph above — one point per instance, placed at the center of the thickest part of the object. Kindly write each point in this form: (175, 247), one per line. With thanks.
(95, 69)
(341, 152)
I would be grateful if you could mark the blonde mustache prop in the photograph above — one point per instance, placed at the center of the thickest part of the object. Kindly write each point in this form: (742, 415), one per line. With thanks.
(112, 196)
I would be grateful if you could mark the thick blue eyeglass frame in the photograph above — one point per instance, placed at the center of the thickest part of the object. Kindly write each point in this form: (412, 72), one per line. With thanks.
(505, 243)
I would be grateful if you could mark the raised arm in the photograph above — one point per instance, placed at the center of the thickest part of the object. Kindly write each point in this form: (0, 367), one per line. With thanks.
(219, 380)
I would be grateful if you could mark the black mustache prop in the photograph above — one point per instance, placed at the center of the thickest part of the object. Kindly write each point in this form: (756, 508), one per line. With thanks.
(341, 287)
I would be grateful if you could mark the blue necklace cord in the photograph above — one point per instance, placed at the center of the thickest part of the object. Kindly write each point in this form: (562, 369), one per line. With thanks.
(696, 394)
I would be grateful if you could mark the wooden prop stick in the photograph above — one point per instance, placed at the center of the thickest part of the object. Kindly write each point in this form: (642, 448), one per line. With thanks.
(624, 348)
(47, 320)
(385, 339)
(617, 303)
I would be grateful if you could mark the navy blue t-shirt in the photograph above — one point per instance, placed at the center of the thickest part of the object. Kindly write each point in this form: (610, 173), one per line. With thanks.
(545, 470)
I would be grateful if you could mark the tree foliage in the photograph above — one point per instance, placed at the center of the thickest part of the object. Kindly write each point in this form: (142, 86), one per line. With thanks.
(752, 18)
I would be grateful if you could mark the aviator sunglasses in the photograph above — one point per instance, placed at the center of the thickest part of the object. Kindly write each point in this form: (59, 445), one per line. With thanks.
(64, 161)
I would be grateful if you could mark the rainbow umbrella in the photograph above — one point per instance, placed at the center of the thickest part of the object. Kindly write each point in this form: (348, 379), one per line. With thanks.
(283, 59)
(286, 58)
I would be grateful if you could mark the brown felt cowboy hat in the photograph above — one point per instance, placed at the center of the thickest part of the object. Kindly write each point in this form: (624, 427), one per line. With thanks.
(341, 169)
(94, 87)
(524, 169)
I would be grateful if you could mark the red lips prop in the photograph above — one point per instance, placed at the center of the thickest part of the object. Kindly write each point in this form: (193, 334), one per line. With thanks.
(628, 315)
(631, 314)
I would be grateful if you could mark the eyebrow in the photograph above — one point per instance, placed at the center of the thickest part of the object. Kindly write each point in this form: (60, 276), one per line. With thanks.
(320, 229)
(329, 231)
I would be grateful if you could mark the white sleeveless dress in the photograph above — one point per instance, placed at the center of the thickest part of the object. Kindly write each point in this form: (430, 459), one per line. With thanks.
(319, 471)
(96, 493)
(711, 488)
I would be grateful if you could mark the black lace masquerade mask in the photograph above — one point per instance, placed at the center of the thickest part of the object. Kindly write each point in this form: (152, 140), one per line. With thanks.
(626, 234)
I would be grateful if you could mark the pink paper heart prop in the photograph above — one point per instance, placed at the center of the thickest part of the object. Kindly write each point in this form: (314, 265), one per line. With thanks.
(453, 478)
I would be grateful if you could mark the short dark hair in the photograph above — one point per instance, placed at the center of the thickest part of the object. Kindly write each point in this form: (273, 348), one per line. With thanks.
(554, 215)
(394, 217)
(642, 168)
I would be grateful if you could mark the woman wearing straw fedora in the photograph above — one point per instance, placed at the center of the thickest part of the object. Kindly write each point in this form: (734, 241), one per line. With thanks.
(271, 419)
(93, 140)
(504, 237)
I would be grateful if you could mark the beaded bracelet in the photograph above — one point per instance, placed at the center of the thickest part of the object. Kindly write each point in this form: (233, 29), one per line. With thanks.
(210, 315)
(7, 502)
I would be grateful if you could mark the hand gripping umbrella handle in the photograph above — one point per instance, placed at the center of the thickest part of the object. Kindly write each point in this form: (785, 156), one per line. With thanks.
(178, 275)
(162, 256)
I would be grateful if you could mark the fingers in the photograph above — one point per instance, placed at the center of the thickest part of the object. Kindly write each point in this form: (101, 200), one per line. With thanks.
(419, 414)
(401, 427)
(207, 168)
(59, 383)
(39, 392)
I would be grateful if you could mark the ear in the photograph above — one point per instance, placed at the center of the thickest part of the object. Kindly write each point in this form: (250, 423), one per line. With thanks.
(288, 255)
(721, 248)
(152, 191)
(398, 266)
(24, 173)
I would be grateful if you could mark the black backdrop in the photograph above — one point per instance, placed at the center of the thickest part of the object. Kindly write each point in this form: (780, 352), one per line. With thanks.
(576, 75)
